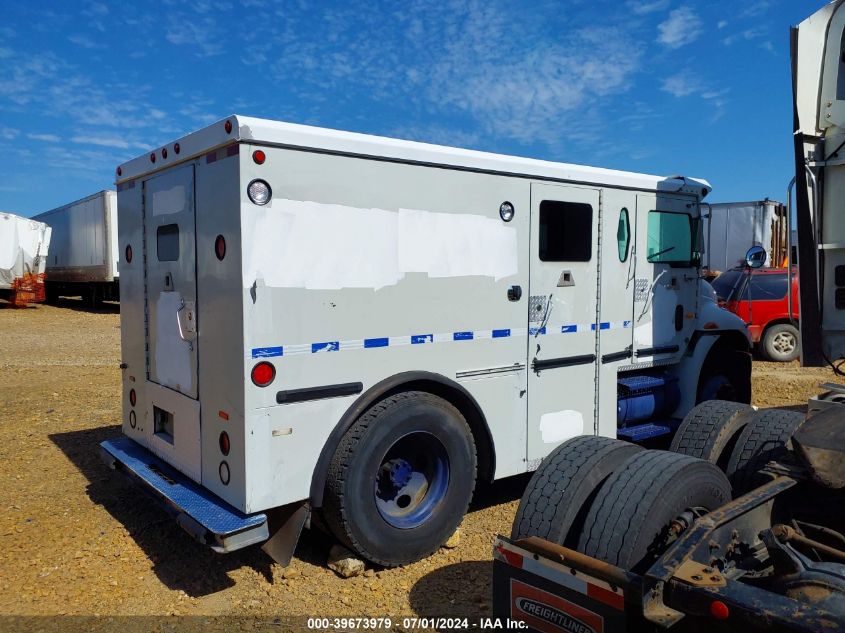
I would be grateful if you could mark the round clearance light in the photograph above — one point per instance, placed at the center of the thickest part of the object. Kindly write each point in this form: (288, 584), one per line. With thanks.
(132, 397)
(263, 374)
(259, 192)
(224, 443)
(228, 127)
(224, 473)
(176, 148)
(128, 253)
(259, 157)
(506, 211)
(132, 419)
(220, 247)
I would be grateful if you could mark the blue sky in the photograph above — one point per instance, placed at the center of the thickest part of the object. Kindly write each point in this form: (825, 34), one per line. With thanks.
(659, 86)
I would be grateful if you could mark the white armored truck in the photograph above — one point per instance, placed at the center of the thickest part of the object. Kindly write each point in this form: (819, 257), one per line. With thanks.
(360, 328)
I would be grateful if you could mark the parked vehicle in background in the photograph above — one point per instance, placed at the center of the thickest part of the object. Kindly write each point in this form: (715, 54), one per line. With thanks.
(731, 228)
(23, 253)
(83, 255)
(759, 297)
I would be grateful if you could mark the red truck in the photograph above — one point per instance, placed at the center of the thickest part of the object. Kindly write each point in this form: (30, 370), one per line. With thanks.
(760, 299)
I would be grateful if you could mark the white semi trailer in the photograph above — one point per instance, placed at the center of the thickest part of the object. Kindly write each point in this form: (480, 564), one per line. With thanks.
(731, 228)
(362, 327)
(84, 254)
(24, 244)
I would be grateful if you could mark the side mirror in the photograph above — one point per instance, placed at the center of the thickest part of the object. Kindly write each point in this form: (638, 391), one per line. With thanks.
(755, 257)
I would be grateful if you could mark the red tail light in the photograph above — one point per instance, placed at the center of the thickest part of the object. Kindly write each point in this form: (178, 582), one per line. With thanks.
(128, 254)
(259, 157)
(132, 397)
(263, 374)
(220, 247)
(224, 443)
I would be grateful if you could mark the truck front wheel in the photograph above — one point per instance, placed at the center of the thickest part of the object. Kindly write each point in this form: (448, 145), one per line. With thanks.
(401, 479)
(725, 375)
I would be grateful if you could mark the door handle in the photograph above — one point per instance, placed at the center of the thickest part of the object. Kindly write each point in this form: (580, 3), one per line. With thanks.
(514, 293)
(186, 319)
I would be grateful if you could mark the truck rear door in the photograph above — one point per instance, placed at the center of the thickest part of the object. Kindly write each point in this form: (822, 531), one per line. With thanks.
(171, 297)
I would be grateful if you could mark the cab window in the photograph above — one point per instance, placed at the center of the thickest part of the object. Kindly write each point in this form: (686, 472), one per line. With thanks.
(670, 238)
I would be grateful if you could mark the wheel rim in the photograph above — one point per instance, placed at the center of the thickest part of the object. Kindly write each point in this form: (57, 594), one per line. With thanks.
(718, 388)
(412, 480)
(784, 343)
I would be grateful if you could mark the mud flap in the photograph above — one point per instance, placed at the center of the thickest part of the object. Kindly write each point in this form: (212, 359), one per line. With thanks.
(285, 525)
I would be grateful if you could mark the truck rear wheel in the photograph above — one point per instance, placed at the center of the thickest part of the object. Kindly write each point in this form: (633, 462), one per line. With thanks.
(401, 479)
(559, 494)
(780, 343)
(710, 430)
(763, 439)
(628, 524)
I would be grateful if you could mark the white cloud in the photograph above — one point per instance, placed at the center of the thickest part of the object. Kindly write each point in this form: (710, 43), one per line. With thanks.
(722, 24)
(84, 42)
(642, 7)
(49, 138)
(103, 141)
(681, 85)
(746, 35)
(682, 27)
(9, 133)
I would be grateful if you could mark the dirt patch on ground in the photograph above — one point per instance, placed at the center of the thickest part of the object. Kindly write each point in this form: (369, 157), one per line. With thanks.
(74, 539)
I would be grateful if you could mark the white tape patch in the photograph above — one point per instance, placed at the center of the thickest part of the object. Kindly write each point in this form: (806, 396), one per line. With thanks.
(300, 244)
(167, 201)
(561, 425)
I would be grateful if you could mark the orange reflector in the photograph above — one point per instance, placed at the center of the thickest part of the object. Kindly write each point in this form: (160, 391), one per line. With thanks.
(711, 326)
(223, 415)
(263, 374)
(719, 610)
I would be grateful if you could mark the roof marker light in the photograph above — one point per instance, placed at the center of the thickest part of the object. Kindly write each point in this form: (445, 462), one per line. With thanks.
(119, 171)
(153, 157)
(164, 152)
(228, 127)
(176, 148)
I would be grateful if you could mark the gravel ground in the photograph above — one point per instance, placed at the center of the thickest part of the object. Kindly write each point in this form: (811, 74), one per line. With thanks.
(76, 540)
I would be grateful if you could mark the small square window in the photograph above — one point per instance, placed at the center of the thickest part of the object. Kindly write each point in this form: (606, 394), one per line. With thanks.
(167, 243)
(566, 231)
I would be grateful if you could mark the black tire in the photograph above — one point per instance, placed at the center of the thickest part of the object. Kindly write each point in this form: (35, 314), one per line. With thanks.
(763, 439)
(561, 490)
(356, 472)
(781, 343)
(634, 507)
(725, 375)
(710, 431)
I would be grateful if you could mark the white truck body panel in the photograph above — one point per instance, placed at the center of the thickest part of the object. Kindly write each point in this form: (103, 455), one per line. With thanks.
(377, 259)
(84, 245)
(24, 245)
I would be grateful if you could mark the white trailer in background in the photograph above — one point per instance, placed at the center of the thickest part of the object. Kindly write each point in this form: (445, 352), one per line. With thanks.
(83, 257)
(731, 228)
(23, 252)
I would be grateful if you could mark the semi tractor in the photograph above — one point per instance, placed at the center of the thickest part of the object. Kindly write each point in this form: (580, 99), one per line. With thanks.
(356, 329)
(83, 255)
(741, 524)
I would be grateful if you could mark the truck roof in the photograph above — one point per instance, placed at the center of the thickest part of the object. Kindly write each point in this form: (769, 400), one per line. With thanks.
(309, 138)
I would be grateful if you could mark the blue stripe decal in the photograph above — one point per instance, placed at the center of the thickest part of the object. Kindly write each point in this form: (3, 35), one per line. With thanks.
(267, 352)
(568, 329)
(626, 324)
(534, 331)
(603, 326)
(330, 346)
(501, 333)
(376, 342)
(418, 339)
(462, 336)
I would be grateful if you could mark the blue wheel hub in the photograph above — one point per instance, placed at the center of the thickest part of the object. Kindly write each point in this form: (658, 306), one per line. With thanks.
(412, 480)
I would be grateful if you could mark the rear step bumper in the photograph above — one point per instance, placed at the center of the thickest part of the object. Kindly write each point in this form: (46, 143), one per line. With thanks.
(203, 515)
